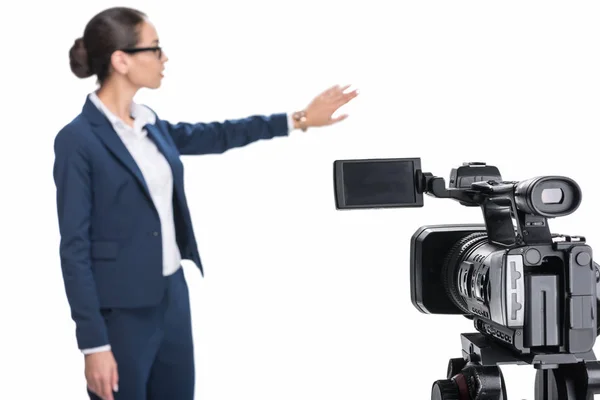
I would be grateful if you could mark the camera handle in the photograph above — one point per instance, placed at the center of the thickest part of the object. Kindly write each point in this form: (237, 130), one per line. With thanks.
(477, 375)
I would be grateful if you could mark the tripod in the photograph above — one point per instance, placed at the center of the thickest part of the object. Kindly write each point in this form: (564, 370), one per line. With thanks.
(477, 376)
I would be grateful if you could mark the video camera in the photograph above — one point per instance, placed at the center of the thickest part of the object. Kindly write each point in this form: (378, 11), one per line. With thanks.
(532, 295)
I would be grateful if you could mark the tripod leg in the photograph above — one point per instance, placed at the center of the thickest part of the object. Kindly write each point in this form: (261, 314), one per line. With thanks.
(578, 381)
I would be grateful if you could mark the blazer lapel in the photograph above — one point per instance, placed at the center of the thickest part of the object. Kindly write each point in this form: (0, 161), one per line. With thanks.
(105, 132)
(155, 135)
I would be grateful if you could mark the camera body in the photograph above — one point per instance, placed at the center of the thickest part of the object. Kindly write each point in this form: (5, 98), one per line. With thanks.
(529, 297)
(529, 290)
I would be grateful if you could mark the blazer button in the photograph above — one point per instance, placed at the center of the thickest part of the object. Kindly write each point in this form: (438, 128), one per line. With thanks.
(155, 233)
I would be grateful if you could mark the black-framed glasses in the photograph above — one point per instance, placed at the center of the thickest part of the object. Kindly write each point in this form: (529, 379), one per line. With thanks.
(134, 50)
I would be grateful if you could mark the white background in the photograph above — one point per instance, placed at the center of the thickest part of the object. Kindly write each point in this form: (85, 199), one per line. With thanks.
(301, 301)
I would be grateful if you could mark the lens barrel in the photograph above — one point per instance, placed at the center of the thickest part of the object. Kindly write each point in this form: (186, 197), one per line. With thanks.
(459, 284)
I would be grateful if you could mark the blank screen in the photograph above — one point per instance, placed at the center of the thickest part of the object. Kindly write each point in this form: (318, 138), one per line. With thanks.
(379, 183)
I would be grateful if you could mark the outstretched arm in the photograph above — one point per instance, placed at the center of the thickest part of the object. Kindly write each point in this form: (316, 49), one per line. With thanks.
(218, 137)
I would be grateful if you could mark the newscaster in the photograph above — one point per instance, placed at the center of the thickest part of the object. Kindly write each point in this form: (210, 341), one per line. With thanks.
(124, 220)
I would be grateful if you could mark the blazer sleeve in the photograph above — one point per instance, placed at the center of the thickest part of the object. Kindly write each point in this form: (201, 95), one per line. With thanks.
(72, 177)
(218, 137)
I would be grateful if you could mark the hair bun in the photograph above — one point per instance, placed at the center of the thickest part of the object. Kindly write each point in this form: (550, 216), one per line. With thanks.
(79, 59)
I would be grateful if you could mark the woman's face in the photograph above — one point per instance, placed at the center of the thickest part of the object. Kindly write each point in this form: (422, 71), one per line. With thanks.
(144, 68)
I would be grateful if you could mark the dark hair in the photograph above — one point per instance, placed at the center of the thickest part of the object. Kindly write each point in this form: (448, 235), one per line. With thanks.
(110, 30)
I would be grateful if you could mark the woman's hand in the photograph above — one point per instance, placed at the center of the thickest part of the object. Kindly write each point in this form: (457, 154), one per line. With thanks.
(321, 109)
(101, 374)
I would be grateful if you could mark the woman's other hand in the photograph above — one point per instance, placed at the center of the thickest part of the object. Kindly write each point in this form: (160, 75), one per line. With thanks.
(101, 374)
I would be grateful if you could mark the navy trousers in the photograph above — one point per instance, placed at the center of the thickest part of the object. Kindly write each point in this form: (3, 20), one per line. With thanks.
(153, 347)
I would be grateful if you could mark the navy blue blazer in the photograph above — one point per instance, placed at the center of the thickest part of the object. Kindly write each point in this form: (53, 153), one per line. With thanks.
(110, 247)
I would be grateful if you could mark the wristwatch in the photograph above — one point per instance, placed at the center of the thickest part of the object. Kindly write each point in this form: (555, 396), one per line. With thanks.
(300, 118)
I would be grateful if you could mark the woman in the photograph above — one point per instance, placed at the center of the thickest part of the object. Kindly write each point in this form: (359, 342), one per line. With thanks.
(123, 216)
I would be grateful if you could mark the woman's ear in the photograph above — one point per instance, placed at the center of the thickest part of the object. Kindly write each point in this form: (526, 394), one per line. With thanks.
(119, 62)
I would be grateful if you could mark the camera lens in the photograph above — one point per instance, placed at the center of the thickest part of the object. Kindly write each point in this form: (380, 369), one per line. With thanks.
(465, 273)
(548, 196)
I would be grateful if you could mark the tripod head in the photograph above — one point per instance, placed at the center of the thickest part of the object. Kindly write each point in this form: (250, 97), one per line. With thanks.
(477, 374)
